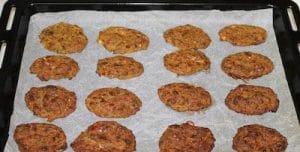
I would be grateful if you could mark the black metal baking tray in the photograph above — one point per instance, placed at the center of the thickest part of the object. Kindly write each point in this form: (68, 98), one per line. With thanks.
(287, 38)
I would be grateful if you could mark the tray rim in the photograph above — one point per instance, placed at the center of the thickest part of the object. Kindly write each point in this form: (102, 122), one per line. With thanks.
(15, 40)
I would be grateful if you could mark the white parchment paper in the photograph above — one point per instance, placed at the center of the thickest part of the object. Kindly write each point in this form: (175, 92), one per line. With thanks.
(154, 117)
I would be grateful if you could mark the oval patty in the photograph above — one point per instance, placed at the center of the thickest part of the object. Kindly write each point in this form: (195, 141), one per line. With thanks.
(105, 136)
(186, 138)
(63, 38)
(187, 37)
(184, 97)
(54, 67)
(40, 137)
(246, 65)
(113, 103)
(252, 100)
(119, 67)
(259, 138)
(123, 40)
(243, 35)
(50, 101)
(186, 62)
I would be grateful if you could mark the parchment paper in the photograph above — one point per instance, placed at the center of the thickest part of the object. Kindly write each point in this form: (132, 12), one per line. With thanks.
(154, 117)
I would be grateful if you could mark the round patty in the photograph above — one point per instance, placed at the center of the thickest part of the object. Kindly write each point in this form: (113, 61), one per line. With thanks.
(54, 67)
(186, 138)
(113, 103)
(186, 62)
(119, 67)
(50, 101)
(40, 137)
(123, 40)
(184, 97)
(258, 138)
(187, 37)
(246, 65)
(252, 100)
(63, 38)
(243, 35)
(105, 136)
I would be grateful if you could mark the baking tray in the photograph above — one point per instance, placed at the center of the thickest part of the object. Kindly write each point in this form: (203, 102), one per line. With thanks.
(286, 37)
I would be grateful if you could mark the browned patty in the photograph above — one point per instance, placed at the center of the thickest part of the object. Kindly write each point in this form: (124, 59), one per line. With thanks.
(50, 101)
(246, 65)
(40, 137)
(186, 138)
(63, 38)
(258, 138)
(113, 103)
(184, 97)
(186, 62)
(187, 37)
(54, 67)
(243, 35)
(105, 136)
(123, 40)
(119, 67)
(252, 100)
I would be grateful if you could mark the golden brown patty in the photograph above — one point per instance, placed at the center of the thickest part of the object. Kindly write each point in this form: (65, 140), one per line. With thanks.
(123, 40)
(54, 67)
(40, 137)
(105, 136)
(50, 101)
(63, 38)
(119, 67)
(184, 97)
(252, 100)
(186, 62)
(246, 65)
(258, 138)
(186, 138)
(243, 35)
(187, 37)
(113, 103)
